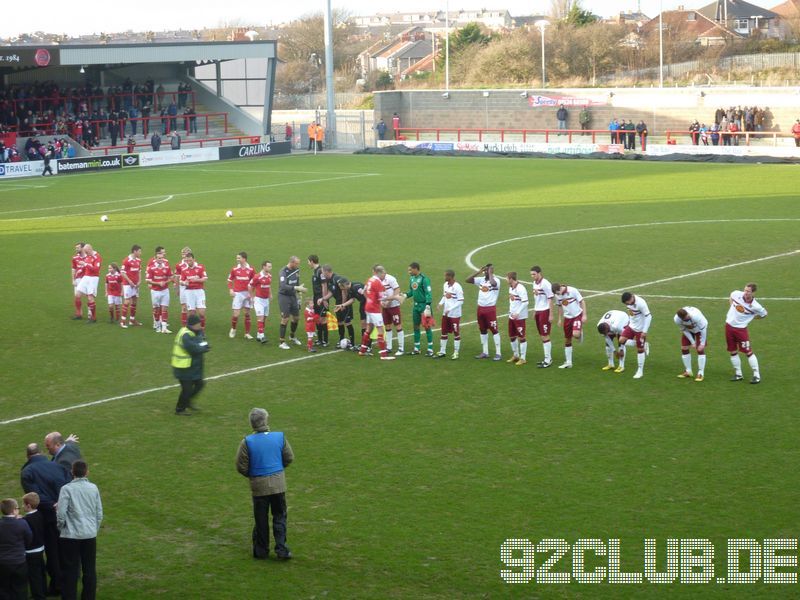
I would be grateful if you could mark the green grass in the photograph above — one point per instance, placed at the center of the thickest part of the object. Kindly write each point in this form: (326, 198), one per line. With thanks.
(409, 476)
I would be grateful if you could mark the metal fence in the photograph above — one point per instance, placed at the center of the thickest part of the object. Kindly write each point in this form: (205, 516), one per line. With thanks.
(352, 132)
(752, 62)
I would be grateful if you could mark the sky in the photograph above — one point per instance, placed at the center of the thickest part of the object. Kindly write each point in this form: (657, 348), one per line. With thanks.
(157, 15)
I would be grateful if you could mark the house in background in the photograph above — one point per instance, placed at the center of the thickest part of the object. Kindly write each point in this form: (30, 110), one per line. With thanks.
(789, 13)
(691, 27)
(410, 51)
(744, 18)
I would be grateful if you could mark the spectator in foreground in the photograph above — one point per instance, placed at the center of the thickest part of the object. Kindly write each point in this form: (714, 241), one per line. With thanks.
(46, 478)
(34, 555)
(15, 536)
(64, 452)
(175, 141)
(263, 456)
(80, 512)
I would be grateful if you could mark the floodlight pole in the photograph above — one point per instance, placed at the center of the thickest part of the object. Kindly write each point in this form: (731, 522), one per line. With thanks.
(447, 45)
(660, 44)
(541, 25)
(330, 89)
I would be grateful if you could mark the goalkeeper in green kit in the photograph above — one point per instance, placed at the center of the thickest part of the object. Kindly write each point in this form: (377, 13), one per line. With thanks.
(420, 290)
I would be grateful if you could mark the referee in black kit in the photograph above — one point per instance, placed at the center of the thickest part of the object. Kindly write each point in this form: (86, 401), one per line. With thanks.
(289, 305)
(319, 287)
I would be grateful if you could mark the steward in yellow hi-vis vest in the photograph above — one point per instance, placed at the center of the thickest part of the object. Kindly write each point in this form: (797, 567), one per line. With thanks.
(187, 363)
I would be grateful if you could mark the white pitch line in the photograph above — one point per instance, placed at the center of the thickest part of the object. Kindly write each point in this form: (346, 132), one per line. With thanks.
(472, 253)
(703, 271)
(595, 293)
(720, 298)
(14, 188)
(259, 172)
(180, 194)
(157, 389)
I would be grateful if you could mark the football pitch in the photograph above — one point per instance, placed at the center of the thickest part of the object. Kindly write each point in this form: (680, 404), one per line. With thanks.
(410, 476)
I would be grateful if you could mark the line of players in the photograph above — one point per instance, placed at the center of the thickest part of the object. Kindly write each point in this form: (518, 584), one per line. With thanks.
(379, 303)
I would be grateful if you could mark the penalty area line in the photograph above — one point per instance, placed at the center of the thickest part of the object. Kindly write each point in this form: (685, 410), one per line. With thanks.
(156, 389)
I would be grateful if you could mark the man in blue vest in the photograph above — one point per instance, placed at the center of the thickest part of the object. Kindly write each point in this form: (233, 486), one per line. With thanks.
(187, 363)
(262, 456)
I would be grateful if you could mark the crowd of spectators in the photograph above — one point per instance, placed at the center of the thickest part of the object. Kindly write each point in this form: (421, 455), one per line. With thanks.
(88, 113)
(36, 150)
(729, 123)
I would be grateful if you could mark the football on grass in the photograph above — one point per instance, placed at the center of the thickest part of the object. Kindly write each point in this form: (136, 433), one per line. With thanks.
(229, 214)
(104, 218)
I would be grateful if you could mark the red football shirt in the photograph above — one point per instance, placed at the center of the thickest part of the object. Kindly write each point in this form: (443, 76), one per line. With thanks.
(78, 265)
(197, 270)
(92, 265)
(261, 284)
(159, 274)
(132, 267)
(373, 293)
(114, 284)
(239, 278)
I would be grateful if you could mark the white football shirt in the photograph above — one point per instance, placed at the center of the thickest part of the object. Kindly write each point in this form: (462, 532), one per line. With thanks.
(488, 290)
(390, 288)
(640, 315)
(741, 313)
(696, 323)
(570, 302)
(617, 321)
(452, 300)
(542, 293)
(518, 301)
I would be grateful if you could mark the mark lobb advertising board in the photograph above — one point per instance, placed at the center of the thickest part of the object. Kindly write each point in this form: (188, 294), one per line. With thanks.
(77, 165)
(250, 150)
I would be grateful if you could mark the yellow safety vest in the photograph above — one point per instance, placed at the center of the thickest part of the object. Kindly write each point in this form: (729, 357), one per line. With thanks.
(181, 359)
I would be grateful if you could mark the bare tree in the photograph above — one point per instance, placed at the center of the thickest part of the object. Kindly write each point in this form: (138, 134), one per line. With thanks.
(559, 9)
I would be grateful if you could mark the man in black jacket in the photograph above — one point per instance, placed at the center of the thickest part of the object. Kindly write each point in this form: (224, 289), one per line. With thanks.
(187, 363)
(46, 478)
(64, 452)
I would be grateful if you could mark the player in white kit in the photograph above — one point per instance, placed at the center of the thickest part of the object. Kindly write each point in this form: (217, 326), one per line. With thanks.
(451, 303)
(694, 332)
(392, 298)
(743, 309)
(572, 313)
(636, 330)
(611, 326)
(542, 315)
(489, 290)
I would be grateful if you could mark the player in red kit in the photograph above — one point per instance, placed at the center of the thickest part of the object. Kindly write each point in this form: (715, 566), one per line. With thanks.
(312, 319)
(150, 263)
(77, 274)
(158, 277)
(239, 286)
(91, 277)
(114, 291)
(374, 293)
(131, 274)
(194, 277)
(260, 292)
(179, 284)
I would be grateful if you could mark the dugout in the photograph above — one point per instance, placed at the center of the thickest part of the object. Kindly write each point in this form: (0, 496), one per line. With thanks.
(237, 78)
